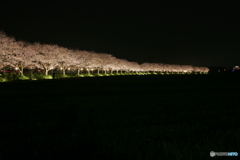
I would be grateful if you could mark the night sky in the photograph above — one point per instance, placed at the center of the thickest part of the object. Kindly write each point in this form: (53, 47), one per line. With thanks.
(191, 33)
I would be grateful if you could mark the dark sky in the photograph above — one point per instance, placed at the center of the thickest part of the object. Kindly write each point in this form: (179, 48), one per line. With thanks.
(201, 34)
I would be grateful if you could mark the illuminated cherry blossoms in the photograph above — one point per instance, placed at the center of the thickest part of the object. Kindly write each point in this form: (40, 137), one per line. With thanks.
(21, 55)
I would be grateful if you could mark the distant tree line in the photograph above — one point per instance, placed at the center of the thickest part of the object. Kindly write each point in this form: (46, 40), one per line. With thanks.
(21, 55)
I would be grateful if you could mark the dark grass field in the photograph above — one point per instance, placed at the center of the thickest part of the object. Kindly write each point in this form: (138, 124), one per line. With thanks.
(122, 117)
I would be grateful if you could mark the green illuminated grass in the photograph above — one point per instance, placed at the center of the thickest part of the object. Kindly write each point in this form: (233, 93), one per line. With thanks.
(80, 75)
(23, 78)
(47, 77)
(3, 79)
(37, 76)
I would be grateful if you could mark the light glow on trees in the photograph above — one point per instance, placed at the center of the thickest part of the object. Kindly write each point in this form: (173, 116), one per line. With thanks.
(21, 55)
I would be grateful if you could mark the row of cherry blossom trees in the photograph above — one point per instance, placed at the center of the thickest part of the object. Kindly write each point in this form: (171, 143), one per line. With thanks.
(22, 55)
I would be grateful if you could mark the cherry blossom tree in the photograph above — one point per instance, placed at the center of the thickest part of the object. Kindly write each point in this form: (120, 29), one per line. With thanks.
(145, 67)
(7, 47)
(104, 61)
(111, 65)
(186, 68)
(78, 59)
(47, 56)
(133, 66)
(83, 60)
(160, 67)
(90, 61)
(204, 70)
(117, 65)
(64, 59)
(23, 56)
(123, 65)
(196, 69)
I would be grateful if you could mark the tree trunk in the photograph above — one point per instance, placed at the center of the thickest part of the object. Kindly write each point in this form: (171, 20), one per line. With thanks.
(88, 71)
(21, 71)
(63, 71)
(46, 72)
